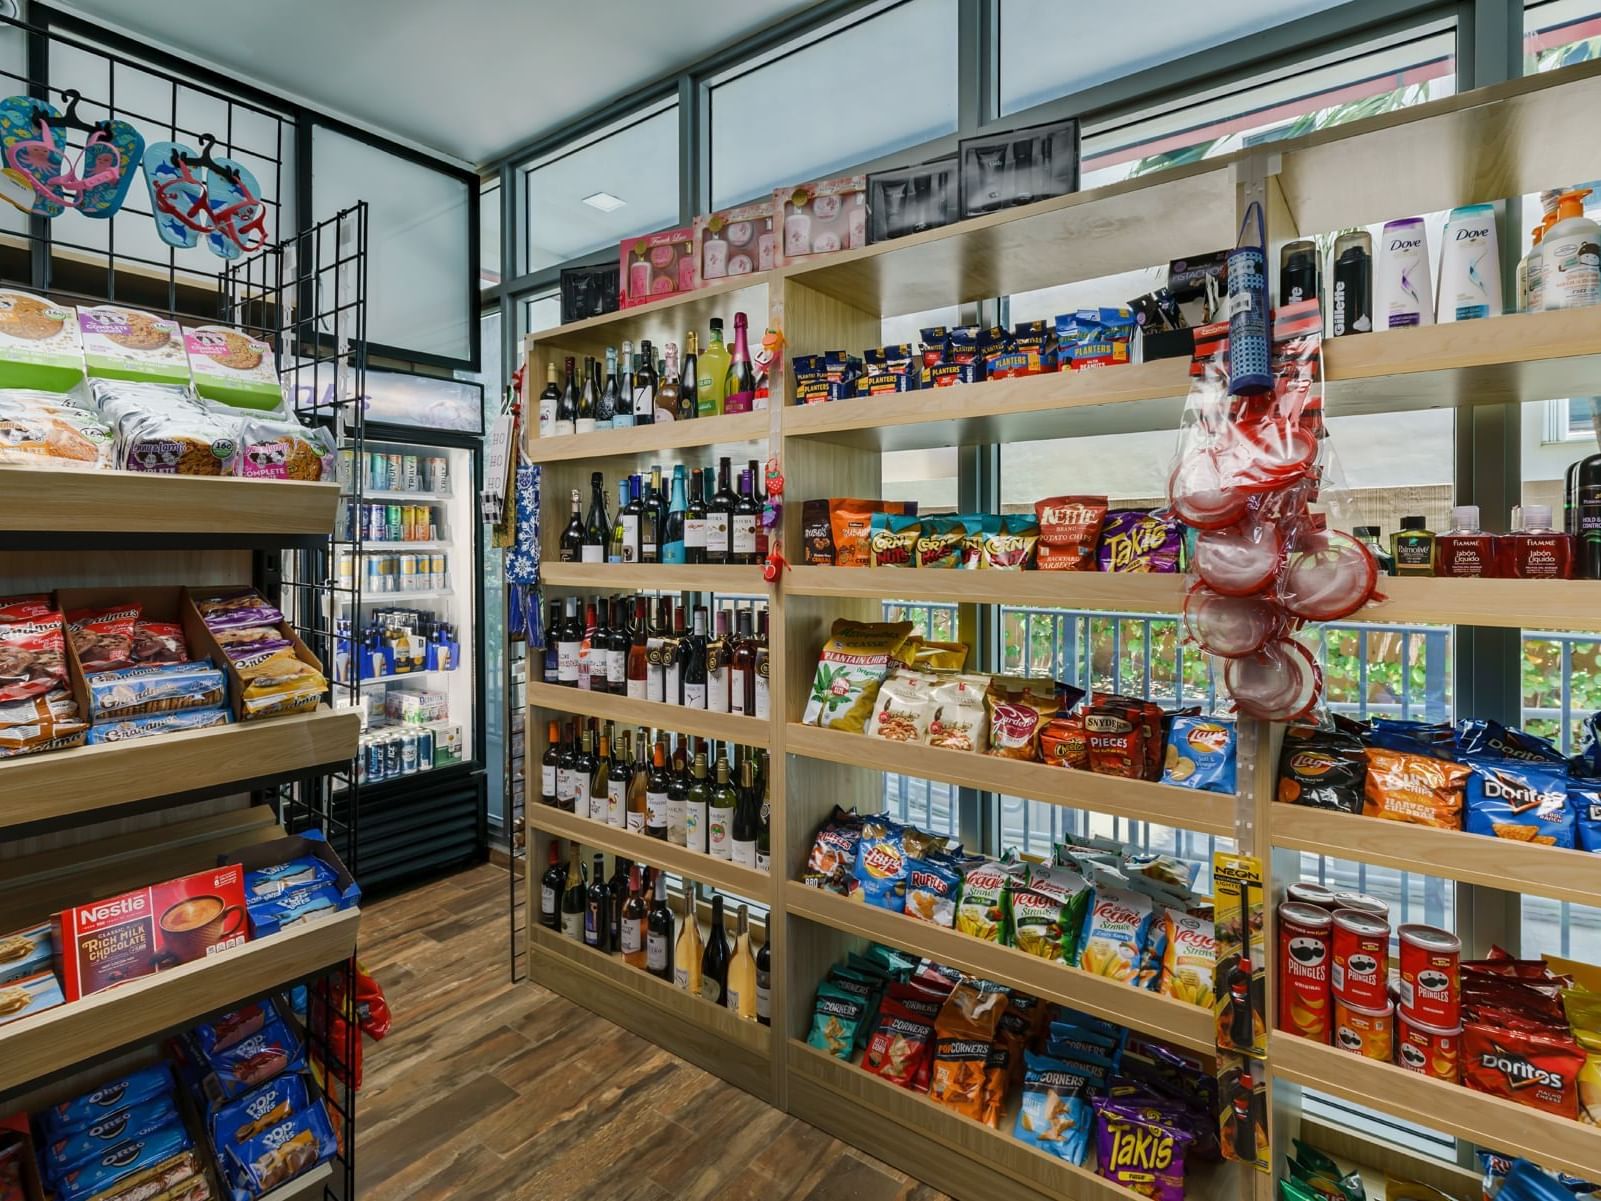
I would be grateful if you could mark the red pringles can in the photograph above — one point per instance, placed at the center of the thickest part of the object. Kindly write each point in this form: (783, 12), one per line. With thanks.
(1309, 892)
(1429, 1050)
(1304, 956)
(1361, 966)
(1350, 899)
(1431, 984)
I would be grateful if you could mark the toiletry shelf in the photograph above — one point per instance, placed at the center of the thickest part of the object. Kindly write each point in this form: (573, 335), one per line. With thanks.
(1135, 800)
(1553, 1142)
(236, 757)
(729, 430)
(1177, 1021)
(625, 711)
(655, 577)
(1565, 875)
(693, 865)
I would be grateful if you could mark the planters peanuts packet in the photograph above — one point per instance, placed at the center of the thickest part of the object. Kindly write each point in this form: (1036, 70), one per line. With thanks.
(1519, 800)
(1200, 754)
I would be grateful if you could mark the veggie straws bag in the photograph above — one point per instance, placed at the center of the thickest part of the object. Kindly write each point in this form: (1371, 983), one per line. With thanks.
(853, 664)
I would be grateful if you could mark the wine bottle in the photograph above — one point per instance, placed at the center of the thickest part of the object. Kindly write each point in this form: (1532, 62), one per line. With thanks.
(552, 670)
(714, 960)
(567, 640)
(720, 813)
(687, 954)
(717, 650)
(597, 527)
(573, 898)
(764, 832)
(617, 886)
(659, 931)
(617, 651)
(688, 383)
(599, 773)
(628, 520)
(669, 391)
(674, 540)
(747, 817)
(764, 986)
(673, 653)
(652, 519)
(742, 972)
(656, 795)
(623, 418)
(586, 647)
(742, 526)
(548, 400)
(588, 398)
(571, 549)
(617, 777)
(677, 796)
(656, 651)
(639, 655)
(740, 391)
(638, 806)
(692, 656)
(645, 386)
(606, 410)
(720, 517)
(632, 941)
(567, 405)
(762, 701)
(713, 374)
(547, 764)
(597, 912)
(742, 667)
(551, 886)
(695, 521)
(697, 805)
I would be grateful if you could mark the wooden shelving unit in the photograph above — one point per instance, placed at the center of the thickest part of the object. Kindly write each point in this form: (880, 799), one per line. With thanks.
(1477, 146)
(741, 881)
(44, 788)
(144, 1009)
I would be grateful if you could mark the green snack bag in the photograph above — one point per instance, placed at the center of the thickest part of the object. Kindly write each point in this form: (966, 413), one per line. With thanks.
(895, 964)
(985, 907)
(837, 1017)
(866, 987)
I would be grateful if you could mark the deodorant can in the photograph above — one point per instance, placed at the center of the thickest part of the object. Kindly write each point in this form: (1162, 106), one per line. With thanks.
(1351, 296)
(1298, 272)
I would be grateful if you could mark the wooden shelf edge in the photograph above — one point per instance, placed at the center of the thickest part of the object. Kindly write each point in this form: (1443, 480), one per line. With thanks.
(750, 1037)
(1564, 875)
(742, 881)
(1491, 1122)
(1186, 1025)
(728, 429)
(664, 577)
(722, 287)
(40, 788)
(78, 1031)
(748, 731)
(309, 1185)
(1139, 800)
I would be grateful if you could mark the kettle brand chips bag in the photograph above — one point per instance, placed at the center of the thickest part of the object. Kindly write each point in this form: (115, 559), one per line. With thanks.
(1070, 532)
(850, 669)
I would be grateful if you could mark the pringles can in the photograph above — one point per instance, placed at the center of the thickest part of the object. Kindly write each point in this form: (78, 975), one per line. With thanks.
(1361, 966)
(1431, 988)
(1366, 1032)
(1308, 892)
(1429, 1050)
(1362, 902)
(1305, 935)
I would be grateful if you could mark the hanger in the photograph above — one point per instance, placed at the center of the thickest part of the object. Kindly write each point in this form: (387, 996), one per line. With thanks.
(205, 159)
(71, 120)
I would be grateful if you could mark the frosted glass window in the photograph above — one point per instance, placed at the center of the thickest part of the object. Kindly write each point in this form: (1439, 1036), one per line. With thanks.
(594, 196)
(1559, 33)
(417, 237)
(1041, 58)
(867, 91)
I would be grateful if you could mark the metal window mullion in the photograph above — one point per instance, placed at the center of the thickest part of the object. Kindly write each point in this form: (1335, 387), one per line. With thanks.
(978, 490)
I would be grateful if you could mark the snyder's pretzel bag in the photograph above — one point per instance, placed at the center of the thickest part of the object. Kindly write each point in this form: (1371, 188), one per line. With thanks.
(1018, 710)
(1419, 789)
(852, 665)
(1069, 532)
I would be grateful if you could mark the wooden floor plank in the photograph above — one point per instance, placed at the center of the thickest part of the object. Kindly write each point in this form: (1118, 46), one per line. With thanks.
(488, 1091)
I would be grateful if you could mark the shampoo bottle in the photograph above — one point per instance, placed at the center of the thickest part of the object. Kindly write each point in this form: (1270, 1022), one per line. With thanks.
(1470, 266)
(1572, 256)
(1403, 296)
(1587, 516)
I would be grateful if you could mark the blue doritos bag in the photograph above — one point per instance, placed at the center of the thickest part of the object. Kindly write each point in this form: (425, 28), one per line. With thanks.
(1519, 800)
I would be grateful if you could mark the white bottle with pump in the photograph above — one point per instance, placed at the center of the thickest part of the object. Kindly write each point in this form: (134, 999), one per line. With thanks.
(1470, 266)
(1571, 257)
(1402, 296)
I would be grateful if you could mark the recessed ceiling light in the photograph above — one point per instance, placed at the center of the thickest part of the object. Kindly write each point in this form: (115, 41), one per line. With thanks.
(605, 202)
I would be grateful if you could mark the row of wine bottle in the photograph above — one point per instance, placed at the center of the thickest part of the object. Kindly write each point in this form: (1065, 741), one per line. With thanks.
(652, 657)
(613, 916)
(640, 784)
(689, 522)
(642, 389)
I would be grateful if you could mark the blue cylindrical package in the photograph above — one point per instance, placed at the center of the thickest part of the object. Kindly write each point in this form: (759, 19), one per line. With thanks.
(1250, 362)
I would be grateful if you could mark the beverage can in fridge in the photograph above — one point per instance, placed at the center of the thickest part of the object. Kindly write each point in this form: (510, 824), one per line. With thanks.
(377, 768)
(413, 482)
(345, 570)
(373, 581)
(391, 757)
(377, 471)
(1304, 953)
(1430, 977)
(408, 573)
(377, 524)
(395, 521)
(425, 748)
(408, 752)
(436, 572)
(441, 475)
(395, 468)
(1361, 969)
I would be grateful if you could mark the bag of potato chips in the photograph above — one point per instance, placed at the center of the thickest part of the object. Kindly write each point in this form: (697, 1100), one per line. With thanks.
(982, 912)
(1189, 958)
(932, 886)
(1116, 927)
(836, 1016)
(964, 1032)
(900, 1045)
(850, 669)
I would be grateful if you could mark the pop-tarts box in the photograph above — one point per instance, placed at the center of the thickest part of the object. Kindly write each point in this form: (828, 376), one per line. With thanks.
(293, 880)
(26, 952)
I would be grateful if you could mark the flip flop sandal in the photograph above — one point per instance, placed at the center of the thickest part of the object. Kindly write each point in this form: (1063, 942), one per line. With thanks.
(177, 196)
(111, 159)
(239, 219)
(33, 149)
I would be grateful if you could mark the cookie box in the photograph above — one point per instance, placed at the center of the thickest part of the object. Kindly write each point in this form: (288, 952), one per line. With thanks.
(40, 345)
(232, 367)
(26, 952)
(29, 995)
(656, 265)
(822, 217)
(122, 343)
(261, 701)
(109, 942)
(294, 880)
(736, 241)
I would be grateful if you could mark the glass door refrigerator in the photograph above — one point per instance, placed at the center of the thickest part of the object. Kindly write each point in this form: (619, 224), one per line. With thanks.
(410, 635)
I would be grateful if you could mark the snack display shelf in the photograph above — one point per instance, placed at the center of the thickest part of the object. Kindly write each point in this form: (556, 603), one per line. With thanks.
(655, 577)
(1176, 1021)
(1136, 800)
(741, 881)
(728, 430)
(921, 1136)
(750, 731)
(238, 757)
(1554, 1142)
(691, 1027)
(130, 508)
(1519, 357)
(80, 1031)
(1564, 875)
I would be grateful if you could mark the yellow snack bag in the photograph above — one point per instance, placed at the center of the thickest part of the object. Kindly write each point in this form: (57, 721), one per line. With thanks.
(1189, 958)
(850, 669)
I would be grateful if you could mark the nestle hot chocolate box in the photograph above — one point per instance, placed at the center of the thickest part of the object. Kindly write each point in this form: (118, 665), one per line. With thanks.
(149, 930)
